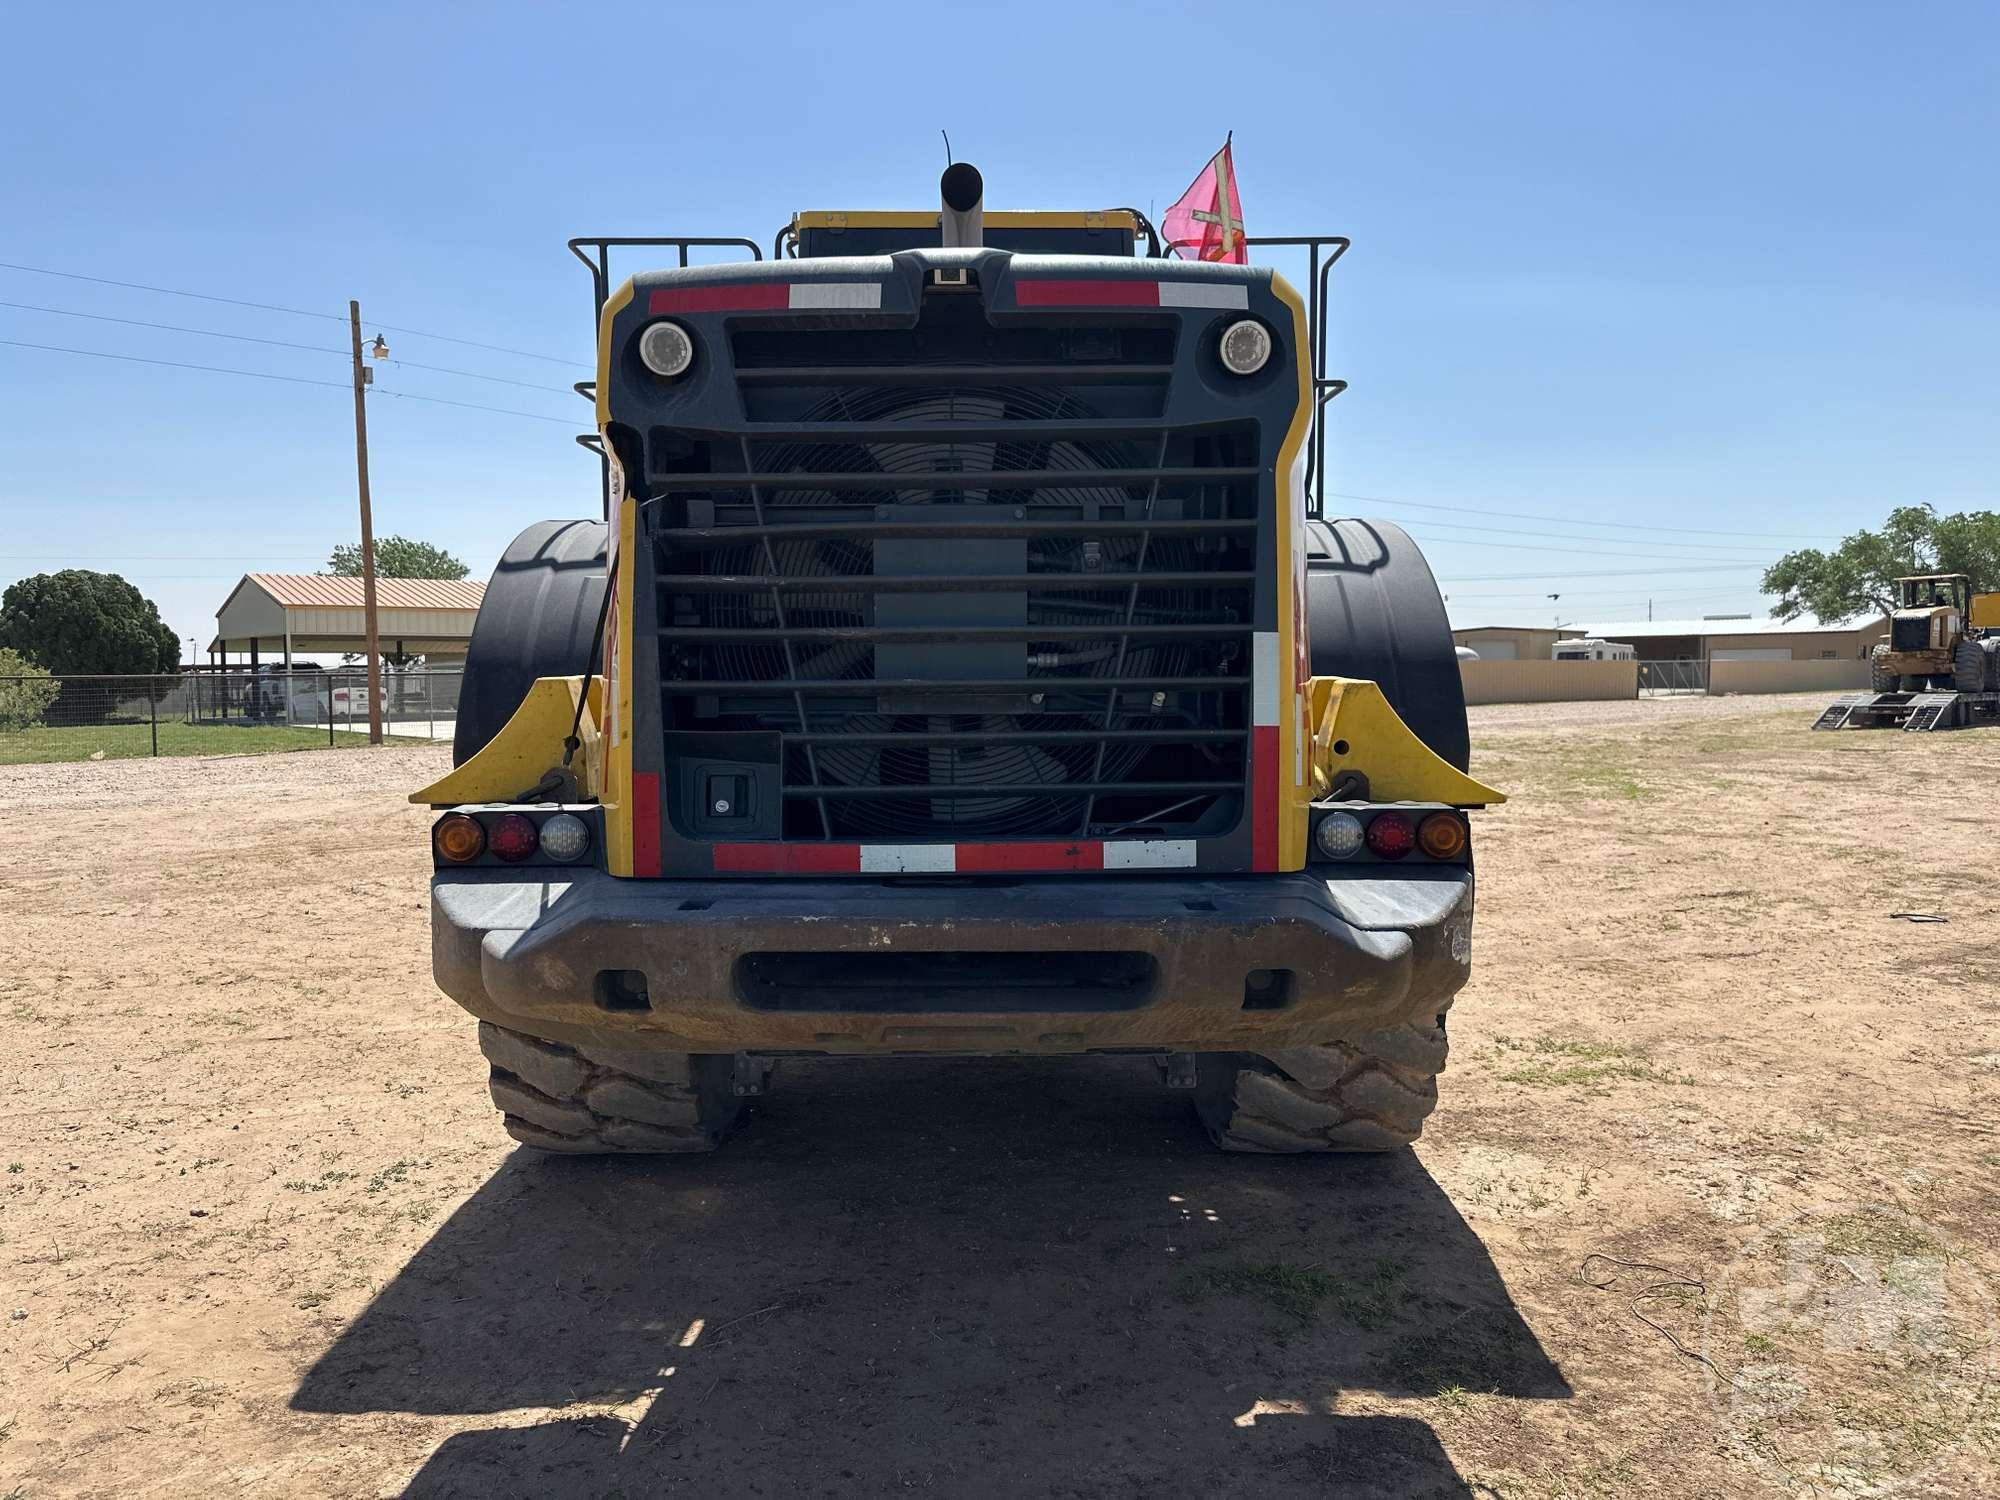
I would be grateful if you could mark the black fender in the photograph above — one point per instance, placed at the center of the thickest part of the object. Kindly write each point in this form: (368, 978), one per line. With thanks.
(1373, 610)
(536, 620)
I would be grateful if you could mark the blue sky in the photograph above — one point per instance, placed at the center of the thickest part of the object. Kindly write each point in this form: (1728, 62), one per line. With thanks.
(1645, 295)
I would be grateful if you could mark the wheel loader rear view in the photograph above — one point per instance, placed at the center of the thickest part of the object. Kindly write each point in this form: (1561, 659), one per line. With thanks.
(961, 667)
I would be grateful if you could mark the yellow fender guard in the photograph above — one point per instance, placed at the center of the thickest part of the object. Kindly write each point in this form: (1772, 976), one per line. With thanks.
(527, 747)
(1355, 729)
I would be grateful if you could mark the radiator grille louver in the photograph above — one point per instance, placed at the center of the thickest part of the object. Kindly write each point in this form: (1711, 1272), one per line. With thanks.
(972, 610)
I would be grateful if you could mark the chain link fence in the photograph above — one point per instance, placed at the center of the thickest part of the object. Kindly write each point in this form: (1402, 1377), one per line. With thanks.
(58, 718)
(1659, 678)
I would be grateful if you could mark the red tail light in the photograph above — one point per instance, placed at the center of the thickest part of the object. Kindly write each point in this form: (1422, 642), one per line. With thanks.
(513, 837)
(1391, 835)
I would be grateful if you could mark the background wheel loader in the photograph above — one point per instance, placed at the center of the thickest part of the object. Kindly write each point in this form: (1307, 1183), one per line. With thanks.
(960, 666)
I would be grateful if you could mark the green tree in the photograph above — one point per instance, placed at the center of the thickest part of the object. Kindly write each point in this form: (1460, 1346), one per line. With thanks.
(78, 622)
(26, 691)
(397, 557)
(1859, 576)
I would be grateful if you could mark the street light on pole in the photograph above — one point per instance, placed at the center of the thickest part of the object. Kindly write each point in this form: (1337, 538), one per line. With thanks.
(363, 377)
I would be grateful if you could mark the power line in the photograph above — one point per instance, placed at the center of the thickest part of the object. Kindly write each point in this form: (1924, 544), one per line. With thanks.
(1517, 515)
(338, 385)
(245, 338)
(302, 312)
(1607, 573)
(175, 364)
(211, 333)
(1576, 551)
(1430, 526)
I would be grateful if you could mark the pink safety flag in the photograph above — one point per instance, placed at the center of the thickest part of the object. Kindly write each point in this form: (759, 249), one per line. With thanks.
(1207, 223)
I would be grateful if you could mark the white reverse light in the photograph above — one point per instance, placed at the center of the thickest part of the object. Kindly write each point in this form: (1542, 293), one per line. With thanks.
(666, 349)
(1246, 346)
(565, 837)
(1338, 835)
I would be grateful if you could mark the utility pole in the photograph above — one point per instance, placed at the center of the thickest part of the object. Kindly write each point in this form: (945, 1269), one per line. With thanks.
(361, 375)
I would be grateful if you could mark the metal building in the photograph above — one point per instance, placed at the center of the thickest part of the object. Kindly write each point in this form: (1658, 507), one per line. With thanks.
(273, 617)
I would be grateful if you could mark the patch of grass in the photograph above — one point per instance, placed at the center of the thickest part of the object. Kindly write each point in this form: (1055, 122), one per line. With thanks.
(1606, 781)
(1882, 1235)
(396, 1171)
(1577, 1062)
(49, 746)
(1757, 1343)
(320, 1183)
(1300, 1291)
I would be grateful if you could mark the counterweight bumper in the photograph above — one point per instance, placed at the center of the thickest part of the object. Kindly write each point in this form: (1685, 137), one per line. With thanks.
(961, 966)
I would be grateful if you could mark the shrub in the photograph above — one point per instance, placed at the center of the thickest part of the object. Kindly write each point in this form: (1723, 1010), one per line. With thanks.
(26, 692)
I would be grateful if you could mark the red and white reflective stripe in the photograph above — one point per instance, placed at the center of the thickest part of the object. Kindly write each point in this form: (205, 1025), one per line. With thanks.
(768, 296)
(1265, 684)
(1267, 790)
(954, 859)
(1046, 292)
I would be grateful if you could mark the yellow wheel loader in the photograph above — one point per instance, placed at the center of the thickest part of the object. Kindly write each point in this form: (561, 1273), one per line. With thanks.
(961, 665)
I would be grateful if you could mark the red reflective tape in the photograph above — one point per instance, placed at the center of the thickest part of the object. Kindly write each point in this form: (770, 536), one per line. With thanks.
(1266, 796)
(1029, 293)
(788, 859)
(645, 823)
(1078, 854)
(749, 296)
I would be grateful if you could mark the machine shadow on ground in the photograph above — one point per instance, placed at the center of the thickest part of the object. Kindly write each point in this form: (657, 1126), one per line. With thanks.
(983, 1276)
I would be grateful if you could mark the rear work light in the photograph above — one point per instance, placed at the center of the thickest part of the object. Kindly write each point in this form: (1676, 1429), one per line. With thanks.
(1391, 835)
(1442, 835)
(1338, 835)
(565, 838)
(513, 837)
(458, 839)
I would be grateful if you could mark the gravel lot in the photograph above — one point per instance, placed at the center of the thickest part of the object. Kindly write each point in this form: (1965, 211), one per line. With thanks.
(1708, 1208)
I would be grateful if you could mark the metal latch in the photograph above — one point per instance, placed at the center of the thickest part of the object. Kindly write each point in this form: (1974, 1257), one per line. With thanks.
(1179, 1069)
(751, 1075)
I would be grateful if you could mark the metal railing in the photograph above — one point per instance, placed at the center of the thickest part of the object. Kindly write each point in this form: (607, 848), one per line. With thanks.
(55, 718)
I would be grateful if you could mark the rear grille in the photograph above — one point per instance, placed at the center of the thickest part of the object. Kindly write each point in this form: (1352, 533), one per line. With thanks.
(1002, 602)
(1911, 635)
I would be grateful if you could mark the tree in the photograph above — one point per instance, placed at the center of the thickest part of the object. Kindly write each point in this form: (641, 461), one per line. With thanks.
(26, 692)
(77, 622)
(397, 557)
(1859, 576)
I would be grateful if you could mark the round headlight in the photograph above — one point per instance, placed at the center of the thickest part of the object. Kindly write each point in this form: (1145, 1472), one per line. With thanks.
(666, 348)
(1338, 835)
(565, 837)
(1246, 346)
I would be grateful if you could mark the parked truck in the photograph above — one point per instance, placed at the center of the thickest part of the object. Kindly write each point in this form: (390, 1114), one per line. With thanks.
(961, 665)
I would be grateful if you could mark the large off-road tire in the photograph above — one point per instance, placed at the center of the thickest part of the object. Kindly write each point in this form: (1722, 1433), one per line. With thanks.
(560, 1098)
(1881, 678)
(537, 620)
(1372, 1093)
(1968, 668)
(1991, 646)
(1373, 611)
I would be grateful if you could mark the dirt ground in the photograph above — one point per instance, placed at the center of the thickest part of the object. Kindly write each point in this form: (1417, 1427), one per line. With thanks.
(261, 1234)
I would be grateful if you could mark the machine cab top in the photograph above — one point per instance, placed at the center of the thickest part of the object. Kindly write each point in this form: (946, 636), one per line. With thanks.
(1933, 591)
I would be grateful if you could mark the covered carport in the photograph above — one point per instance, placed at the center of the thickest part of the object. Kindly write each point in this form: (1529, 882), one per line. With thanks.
(288, 647)
(275, 618)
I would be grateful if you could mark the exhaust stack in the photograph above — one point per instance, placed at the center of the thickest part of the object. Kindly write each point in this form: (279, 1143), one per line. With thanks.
(963, 219)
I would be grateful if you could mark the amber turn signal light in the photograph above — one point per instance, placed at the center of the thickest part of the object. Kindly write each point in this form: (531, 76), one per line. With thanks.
(458, 839)
(1442, 836)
